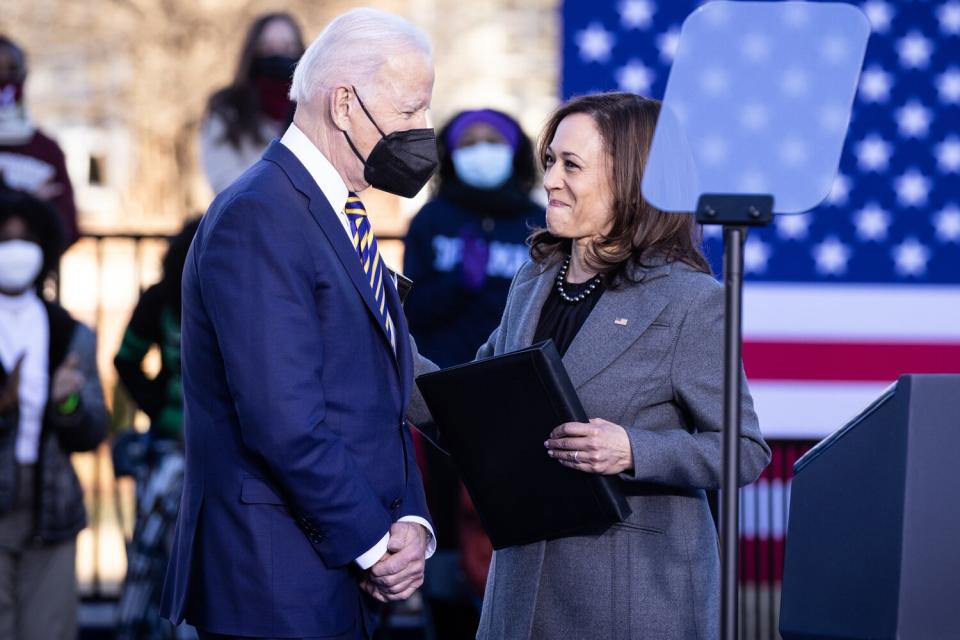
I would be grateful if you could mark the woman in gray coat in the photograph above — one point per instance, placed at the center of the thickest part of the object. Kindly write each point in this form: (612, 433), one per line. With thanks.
(627, 295)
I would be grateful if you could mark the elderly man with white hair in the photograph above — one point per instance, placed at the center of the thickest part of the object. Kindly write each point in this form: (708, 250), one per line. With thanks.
(302, 504)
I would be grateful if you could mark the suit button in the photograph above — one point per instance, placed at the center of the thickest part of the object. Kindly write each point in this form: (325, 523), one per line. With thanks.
(395, 505)
(403, 423)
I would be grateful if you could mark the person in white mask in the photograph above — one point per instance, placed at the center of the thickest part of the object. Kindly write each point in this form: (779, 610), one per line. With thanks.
(51, 405)
(462, 251)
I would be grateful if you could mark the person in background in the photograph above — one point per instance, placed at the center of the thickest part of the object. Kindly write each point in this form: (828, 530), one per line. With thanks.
(255, 108)
(462, 250)
(156, 321)
(465, 245)
(157, 457)
(51, 405)
(29, 160)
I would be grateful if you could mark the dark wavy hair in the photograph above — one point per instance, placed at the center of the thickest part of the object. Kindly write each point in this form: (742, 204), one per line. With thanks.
(640, 234)
(239, 104)
(524, 175)
(43, 225)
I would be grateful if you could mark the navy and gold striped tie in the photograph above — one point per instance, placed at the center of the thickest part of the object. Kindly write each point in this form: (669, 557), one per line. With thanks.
(366, 245)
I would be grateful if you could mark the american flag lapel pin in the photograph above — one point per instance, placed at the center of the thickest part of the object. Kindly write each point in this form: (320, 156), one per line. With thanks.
(621, 321)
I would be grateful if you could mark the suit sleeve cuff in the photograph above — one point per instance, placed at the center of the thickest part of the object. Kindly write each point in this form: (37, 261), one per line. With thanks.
(376, 552)
(432, 539)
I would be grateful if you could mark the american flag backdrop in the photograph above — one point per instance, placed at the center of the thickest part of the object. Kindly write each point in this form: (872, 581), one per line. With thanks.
(841, 300)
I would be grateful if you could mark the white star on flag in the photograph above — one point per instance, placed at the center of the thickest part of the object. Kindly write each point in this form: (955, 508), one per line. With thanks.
(755, 47)
(831, 256)
(595, 43)
(913, 120)
(667, 44)
(794, 82)
(948, 86)
(796, 14)
(880, 14)
(792, 227)
(911, 257)
(636, 14)
(634, 77)
(793, 152)
(714, 150)
(949, 16)
(948, 155)
(873, 153)
(914, 51)
(947, 224)
(834, 49)
(839, 191)
(753, 181)
(912, 188)
(875, 85)
(714, 81)
(872, 222)
(756, 254)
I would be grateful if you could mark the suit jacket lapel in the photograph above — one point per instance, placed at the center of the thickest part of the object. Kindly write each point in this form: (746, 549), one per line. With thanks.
(404, 356)
(531, 295)
(619, 319)
(329, 223)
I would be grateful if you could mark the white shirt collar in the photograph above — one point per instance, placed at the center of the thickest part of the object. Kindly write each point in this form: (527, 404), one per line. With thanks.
(317, 165)
(326, 177)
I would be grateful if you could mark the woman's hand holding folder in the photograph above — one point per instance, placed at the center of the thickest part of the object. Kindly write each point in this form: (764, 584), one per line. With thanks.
(598, 446)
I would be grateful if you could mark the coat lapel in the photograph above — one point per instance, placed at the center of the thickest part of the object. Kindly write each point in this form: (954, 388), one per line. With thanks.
(404, 356)
(531, 295)
(619, 319)
(329, 223)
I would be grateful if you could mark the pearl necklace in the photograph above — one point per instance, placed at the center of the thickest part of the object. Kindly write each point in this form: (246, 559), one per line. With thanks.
(561, 276)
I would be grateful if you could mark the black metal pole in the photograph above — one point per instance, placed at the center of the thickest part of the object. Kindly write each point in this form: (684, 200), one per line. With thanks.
(733, 237)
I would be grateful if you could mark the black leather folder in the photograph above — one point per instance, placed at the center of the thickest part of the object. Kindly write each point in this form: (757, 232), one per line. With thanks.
(494, 415)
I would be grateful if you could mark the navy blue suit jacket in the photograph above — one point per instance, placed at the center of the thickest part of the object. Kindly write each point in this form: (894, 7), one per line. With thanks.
(298, 457)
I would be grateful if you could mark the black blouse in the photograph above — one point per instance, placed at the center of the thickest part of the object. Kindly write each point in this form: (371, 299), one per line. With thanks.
(561, 320)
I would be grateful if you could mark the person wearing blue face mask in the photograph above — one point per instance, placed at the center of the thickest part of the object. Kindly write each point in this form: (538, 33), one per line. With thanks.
(467, 242)
(462, 251)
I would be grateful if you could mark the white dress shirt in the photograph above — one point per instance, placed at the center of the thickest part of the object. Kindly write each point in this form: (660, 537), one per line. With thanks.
(25, 331)
(336, 192)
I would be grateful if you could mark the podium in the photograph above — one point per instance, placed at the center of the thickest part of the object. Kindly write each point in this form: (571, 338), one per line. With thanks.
(873, 543)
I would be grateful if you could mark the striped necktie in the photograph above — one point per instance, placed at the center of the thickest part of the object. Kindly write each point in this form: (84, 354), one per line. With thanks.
(366, 244)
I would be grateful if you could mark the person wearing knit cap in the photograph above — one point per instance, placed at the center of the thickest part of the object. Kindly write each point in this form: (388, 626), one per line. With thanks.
(462, 250)
(467, 242)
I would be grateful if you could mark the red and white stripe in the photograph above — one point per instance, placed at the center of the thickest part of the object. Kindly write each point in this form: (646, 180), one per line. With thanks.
(815, 355)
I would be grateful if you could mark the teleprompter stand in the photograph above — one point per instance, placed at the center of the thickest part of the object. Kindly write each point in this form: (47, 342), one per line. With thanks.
(735, 213)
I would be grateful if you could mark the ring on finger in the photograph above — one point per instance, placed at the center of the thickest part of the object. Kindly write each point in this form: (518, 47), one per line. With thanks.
(576, 456)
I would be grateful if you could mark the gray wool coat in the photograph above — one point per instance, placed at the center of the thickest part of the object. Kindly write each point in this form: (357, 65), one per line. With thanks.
(660, 376)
